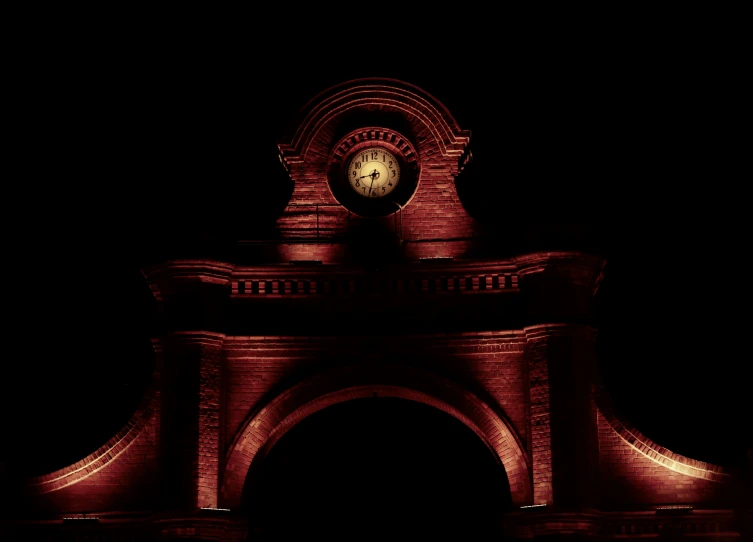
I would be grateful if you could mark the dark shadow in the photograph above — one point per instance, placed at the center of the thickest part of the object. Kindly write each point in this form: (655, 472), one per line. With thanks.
(379, 469)
(373, 243)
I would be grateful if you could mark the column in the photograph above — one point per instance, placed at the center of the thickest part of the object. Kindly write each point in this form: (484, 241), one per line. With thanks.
(564, 437)
(193, 294)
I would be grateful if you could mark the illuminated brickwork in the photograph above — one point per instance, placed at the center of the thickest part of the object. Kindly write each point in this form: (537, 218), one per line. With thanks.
(247, 351)
(434, 215)
(351, 382)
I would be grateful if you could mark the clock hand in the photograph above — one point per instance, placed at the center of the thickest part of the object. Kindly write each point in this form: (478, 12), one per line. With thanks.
(374, 175)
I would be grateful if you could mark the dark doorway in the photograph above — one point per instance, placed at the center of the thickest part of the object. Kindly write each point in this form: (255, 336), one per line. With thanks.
(378, 469)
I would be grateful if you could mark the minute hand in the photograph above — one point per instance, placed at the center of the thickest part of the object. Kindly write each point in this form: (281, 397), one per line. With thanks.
(374, 175)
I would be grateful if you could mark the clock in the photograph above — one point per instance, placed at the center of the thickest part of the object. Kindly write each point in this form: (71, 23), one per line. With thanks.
(373, 172)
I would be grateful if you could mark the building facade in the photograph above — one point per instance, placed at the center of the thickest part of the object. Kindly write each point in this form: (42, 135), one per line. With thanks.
(377, 283)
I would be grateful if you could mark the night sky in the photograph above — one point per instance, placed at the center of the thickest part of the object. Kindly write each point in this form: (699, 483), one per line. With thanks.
(626, 153)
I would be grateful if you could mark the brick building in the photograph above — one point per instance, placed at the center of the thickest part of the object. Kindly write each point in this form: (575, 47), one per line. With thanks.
(399, 299)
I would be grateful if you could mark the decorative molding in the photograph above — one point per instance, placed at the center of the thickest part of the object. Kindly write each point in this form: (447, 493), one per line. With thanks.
(383, 93)
(451, 277)
(558, 330)
(363, 136)
(173, 272)
(201, 338)
(429, 283)
(491, 342)
(580, 268)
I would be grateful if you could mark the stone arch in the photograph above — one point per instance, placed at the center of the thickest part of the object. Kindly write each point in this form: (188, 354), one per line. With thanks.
(264, 428)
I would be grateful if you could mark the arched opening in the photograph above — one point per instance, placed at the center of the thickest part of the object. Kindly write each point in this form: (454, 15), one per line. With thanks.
(378, 468)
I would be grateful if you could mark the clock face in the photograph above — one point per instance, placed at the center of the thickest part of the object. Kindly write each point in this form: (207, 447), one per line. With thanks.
(374, 172)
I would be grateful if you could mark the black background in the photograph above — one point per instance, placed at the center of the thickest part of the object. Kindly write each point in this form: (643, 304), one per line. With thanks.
(627, 149)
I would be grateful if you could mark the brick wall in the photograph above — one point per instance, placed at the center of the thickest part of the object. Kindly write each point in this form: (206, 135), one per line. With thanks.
(128, 482)
(364, 379)
(190, 438)
(489, 364)
(433, 212)
(630, 476)
(635, 470)
(540, 419)
(122, 474)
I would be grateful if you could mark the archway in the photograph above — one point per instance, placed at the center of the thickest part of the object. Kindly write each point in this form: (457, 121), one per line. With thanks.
(378, 468)
(267, 426)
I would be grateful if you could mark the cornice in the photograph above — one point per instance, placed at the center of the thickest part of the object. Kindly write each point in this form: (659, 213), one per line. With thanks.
(453, 266)
(174, 272)
(204, 270)
(505, 340)
(579, 267)
(531, 261)
(539, 331)
(187, 338)
(466, 276)
(452, 276)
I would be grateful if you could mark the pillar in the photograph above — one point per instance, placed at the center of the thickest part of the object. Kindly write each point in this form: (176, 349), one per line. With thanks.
(193, 296)
(561, 364)
(564, 437)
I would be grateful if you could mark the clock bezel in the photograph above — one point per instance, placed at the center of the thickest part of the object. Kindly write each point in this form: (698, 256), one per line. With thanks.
(353, 143)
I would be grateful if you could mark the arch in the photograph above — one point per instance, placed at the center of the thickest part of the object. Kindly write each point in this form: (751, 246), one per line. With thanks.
(264, 428)
(377, 93)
